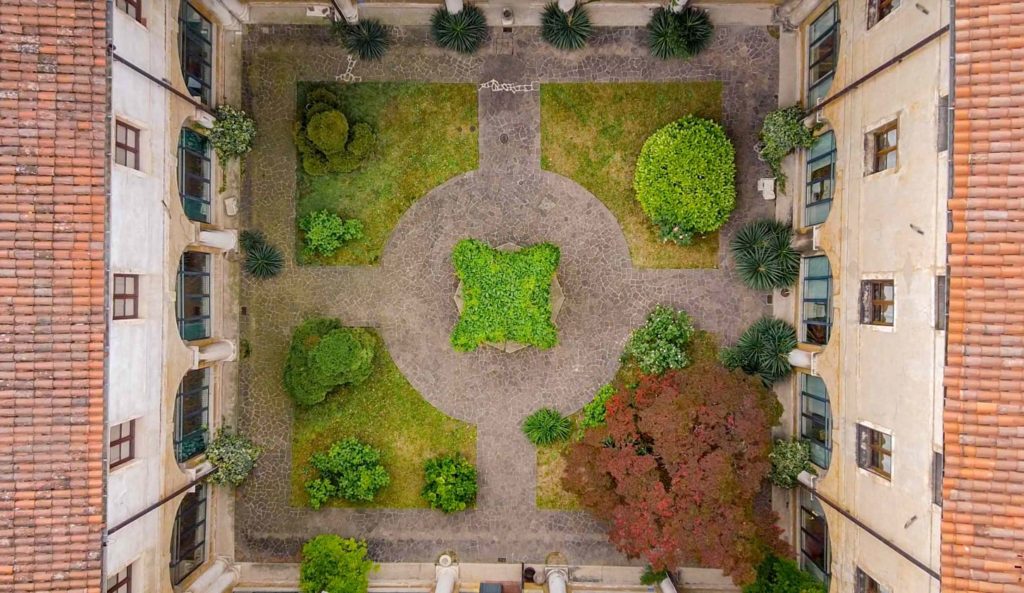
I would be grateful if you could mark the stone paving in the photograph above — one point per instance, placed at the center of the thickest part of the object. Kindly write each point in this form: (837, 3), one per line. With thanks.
(408, 297)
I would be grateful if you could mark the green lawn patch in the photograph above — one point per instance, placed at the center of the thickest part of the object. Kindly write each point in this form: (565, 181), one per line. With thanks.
(425, 135)
(593, 133)
(386, 412)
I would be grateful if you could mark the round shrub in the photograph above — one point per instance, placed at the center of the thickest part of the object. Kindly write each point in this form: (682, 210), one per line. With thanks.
(328, 131)
(263, 260)
(362, 140)
(324, 232)
(764, 254)
(451, 483)
(350, 470)
(685, 178)
(546, 426)
(327, 142)
(783, 575)
(324, 356)
(368, 39)
(331, 564)
(660, 344)
(681, 34)
(594, 411)
(233, 132)
(763, 350)
(233, 456)
(782, 132)
(565, 30)
(463, 32)
(788, 459)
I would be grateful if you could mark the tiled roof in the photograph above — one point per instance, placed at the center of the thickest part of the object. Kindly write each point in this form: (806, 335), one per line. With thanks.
(983, 489)
(53, 97)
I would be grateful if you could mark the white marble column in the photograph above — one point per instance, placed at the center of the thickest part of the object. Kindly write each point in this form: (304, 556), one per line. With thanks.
(348, 11)
(566, 5)
(453, 6)
(791, 13)
(220, 577)
(211, 352)
(222, 239)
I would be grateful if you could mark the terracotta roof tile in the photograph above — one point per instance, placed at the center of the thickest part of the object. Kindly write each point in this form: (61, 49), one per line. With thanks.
(53, 121)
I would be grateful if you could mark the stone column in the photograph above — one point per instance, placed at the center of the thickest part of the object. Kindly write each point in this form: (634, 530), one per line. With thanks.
(215, 351)
(801, 359)
(558, 580)
(791, 13)
(453, 6)
(566, 5)
(222, 239)
(667, 586)
(348, 11)
(220, 577)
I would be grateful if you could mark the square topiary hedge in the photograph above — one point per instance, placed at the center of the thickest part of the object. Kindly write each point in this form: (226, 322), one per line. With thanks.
(506, 295)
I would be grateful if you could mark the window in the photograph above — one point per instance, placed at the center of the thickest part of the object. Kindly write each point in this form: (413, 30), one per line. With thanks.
(126, 145)
(874, 451)
(821, 174)
(941, 302)
(938, 466)
(881, 147)
(192, 415)
(821, 54)
(196, 52)
(863, 583)
(816, 419)
(817, 300)
(194, 174)
(132, 8)
(188, 540)
(120, 582)
(122, 443)
(878, 302)
(194, 296)
(815, 556)
(879, 9)
(126, 296)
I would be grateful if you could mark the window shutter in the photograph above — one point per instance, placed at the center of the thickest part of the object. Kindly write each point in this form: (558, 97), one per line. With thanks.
(865, 301)
(863, 446)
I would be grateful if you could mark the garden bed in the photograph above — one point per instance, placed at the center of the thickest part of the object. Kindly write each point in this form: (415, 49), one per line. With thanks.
(592, 133)
(386, 412)
(426, 134)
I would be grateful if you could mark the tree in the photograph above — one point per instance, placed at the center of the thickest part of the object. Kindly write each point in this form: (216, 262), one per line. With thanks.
(678, 467)
(334, 564)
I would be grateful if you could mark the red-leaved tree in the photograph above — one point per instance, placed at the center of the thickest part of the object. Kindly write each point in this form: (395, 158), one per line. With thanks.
(678, 467)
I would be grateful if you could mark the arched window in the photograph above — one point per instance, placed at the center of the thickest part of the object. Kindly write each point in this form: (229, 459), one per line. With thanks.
(815, 556)
(816, 419)
(195, 45)
(194, 171)
(816, 294)
(192, 415)
(188, 540)
(193, 295)
(822, 54)
(821, 177)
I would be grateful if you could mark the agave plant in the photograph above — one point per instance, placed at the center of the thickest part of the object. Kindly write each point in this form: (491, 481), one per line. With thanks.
(546, 426)
(249, 239)
(263, 260)
(764, 254)
(367, 39)
(763, 350)
(463, 31)
(565, 30)
(681, 34)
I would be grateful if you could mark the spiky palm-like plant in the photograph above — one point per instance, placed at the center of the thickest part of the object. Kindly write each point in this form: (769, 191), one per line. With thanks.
(763, 350)
(546, 426)
(463, 31)
(764, 254)
(249, 239)
(263, 260)
(367, 39)
(566, 30)
(679, 34)
(695, 30)
(662, 34)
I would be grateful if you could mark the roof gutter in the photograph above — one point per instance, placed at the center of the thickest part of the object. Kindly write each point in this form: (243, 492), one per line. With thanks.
(158, 503)
(162, 83)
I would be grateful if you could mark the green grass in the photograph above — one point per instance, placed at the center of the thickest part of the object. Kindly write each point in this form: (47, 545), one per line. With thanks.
(426, 134)
(593, 132)
(388, 413)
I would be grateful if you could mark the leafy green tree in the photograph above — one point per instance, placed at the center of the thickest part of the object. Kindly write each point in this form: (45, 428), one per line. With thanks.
(332, 564)
(350, 469)
(451, 483)
(660, 344)
(324, 356)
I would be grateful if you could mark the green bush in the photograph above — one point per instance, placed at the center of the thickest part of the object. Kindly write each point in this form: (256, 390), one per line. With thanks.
(328, 131)
(233, 132)
(262, 260)
(764, 254)
(763, 350)
(681, 34)
(327, 142)
(565, 30)
(782, 575)
(324, 232)
(350, 470)
(331, 564)
(789, 458)
(685, 178)
(594, 411)
(506, 295)
(660, 344)
(233, 456)
(463, 32)
(782, 132)
(368, 39)
(324, 356)
(546, 426)
(450, 483)
(652, 577)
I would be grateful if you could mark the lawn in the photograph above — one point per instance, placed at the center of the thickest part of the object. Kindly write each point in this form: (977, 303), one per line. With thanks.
(426, 134)
(593, 132)
(388, 413)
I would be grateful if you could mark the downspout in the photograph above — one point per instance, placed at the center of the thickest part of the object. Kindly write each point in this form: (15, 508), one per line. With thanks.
(109, 35)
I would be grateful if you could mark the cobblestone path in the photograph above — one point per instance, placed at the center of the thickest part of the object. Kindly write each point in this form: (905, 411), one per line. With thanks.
(408, 297)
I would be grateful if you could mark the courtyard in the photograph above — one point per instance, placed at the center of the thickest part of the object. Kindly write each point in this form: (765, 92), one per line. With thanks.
(519, 143)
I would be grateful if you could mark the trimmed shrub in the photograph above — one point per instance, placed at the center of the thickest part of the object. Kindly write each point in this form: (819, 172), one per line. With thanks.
(565, 30)
(233, 456)
(451, 483)
(594, 411)
(463, 32)
(368, 39)
(782, 575)
(652, 577)
(764, 254)
(660, 344)
(324, 232)
(685, 179)
(546, 426)
(763, 350)
(782, 132)
(681, 34)
(233, 132)
(326, 140)
(328, 131)
(331, 564)
(324, 356)
(350, 470)
(789, 458)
